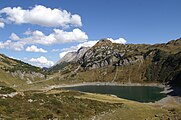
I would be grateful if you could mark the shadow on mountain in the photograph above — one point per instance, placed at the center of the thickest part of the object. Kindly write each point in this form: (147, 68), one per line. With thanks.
(175, 86)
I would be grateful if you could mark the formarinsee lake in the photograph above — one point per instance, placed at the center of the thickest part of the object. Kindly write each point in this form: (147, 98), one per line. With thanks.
(136, 93)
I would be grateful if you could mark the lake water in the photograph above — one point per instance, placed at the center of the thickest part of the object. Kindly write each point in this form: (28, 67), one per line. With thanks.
(136, 93)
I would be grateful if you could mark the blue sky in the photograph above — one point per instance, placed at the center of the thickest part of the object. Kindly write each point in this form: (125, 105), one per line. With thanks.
(138, 21)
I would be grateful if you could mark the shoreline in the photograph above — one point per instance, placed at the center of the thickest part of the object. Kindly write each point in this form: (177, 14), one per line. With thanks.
(164, 101)
(166, 89)
(105, 83)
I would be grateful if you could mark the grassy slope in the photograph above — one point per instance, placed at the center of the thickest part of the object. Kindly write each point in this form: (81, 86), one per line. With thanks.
(9, 65)
(62, 105)
(70, 105)
(9, 80)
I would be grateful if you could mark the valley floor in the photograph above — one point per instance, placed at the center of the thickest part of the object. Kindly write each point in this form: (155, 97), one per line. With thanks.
(52, 103)
(167, 108)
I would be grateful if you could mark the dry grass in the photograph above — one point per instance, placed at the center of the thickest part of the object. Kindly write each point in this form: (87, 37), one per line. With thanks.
(9, 79)
(133, 110)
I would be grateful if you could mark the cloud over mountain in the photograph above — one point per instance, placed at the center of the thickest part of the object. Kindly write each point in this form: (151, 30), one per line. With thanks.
(34, 48)
(58, 36)
(41, 62)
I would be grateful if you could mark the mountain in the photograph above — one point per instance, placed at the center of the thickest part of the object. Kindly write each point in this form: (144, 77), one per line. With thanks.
(70, 57)
(15, 72)
(125, 63)
(106, 53)
(73, 56)
(104, 62)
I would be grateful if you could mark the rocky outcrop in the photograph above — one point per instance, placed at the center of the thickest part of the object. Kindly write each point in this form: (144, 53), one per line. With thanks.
(30, 76)
(73, 56)
(70, 56)
(106, 53)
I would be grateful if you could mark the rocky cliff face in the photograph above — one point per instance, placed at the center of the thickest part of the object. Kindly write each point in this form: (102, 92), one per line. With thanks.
(106, 53)
(68, 57)
(73, 56)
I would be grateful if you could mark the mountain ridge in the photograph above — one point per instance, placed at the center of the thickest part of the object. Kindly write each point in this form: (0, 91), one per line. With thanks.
(104, 62)
(137, 62)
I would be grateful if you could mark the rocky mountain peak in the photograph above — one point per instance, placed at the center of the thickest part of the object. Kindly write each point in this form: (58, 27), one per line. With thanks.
(103, 42)
(73, 56)
(82, 49)
(70, 56)
(103, 53)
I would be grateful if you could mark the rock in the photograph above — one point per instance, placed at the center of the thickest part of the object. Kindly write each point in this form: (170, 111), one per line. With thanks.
(106, 53)
(68, 57)
(28, 75)
(73, 56)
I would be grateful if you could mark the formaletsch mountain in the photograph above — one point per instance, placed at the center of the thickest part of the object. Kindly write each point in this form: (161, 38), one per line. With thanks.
(129, 63)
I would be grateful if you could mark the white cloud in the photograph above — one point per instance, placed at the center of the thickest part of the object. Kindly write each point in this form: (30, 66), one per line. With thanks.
(54, 50)
(58, 36)
(75, 36)
(14, 37)
(38, 37)
(17, 46)
(62, 54)
(2, 24)
(41, 62)
(34, 48)
(4, 44)
(41, 15)
(119, 40)
(88, 44)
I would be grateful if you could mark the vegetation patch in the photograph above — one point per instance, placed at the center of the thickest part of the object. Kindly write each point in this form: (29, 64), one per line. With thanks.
(50, 106)
(6, 90)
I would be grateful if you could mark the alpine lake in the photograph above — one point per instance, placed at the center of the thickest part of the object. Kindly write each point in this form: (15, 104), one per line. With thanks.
(136, 93)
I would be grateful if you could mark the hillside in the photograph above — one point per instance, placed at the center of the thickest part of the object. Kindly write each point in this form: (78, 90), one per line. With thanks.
(14, 72)
(69, 105)
(129, 63)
